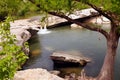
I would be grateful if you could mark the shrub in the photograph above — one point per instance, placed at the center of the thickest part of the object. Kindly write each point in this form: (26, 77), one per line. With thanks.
(11, 55)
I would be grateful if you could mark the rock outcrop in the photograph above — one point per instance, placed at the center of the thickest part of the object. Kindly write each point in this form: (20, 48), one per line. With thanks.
(75, 26)
(35, 74)
(73, 58)
(20, 28)
(100, 20)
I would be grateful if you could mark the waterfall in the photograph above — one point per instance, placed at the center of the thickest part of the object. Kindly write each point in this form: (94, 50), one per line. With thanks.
(43, 30)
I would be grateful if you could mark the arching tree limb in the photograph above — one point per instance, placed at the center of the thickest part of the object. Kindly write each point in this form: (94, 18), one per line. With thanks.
(107, 14)
(81, 24)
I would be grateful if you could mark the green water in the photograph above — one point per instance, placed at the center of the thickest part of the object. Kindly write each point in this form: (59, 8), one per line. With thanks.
(90, 44)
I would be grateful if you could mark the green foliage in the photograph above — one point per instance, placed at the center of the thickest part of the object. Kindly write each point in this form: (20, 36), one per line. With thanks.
(109, 5)
(11, 55)
(66, 6)
(59, 5)
(15, 8)
(8, 7)
(116, 6)
(26, 8)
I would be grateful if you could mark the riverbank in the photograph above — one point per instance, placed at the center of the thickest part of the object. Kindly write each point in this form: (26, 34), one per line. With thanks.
(25, 29)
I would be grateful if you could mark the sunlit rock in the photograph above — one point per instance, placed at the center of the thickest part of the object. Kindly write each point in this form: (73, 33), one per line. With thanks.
(55, 72)
(35, 74)
(74, 26)
(100, 20)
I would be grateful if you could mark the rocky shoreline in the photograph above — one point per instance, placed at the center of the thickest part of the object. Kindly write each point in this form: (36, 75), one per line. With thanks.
(24, 30)
(23, 34)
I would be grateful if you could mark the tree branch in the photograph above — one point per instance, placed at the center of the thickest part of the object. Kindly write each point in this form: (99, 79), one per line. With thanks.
(102, 12)
(108, 14)
(80, 23)
(111, 16)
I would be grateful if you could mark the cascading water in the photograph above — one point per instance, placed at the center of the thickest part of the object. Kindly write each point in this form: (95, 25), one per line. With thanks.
(43, 30)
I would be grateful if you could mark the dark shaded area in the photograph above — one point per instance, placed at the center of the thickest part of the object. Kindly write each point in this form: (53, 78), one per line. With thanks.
(3, 16)
(32, 32)
(61, 64)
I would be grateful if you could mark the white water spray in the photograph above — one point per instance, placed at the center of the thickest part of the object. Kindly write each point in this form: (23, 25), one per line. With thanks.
(43, 30)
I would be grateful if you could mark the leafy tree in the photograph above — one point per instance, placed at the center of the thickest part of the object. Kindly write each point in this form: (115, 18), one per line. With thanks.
(11, 55)
(8, 7)
(15, 8)
(108, 8)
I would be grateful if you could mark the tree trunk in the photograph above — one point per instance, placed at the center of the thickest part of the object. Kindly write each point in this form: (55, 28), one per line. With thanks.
(107, 69)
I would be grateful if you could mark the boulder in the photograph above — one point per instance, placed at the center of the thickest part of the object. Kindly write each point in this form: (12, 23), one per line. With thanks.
(21, 29)
(69, 58)
(74, 26)
(35, 74)
(100, 20)
(55, 72)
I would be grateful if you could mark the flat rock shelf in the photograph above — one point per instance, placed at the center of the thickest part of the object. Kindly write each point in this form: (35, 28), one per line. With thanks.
(69, 59)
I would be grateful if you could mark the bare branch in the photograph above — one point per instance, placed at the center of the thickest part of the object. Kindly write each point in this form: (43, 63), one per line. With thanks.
(80, 23)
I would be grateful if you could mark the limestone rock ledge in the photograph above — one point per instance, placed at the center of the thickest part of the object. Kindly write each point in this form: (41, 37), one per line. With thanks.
(35, 74)
(69, 57)
(20, 29)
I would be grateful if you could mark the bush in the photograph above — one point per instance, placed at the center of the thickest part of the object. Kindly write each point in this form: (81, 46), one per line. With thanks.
(11, 55)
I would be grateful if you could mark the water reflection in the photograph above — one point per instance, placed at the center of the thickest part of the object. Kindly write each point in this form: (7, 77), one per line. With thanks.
(69, 70)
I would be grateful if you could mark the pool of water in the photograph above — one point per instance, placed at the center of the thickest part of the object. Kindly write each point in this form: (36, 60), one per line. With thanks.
(89, 43)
